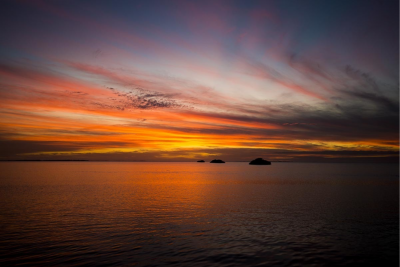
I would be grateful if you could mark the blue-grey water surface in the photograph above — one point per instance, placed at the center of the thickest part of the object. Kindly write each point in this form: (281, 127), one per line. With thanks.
(198, 214)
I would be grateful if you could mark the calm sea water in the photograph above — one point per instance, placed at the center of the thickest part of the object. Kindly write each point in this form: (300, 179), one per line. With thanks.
(198, 214)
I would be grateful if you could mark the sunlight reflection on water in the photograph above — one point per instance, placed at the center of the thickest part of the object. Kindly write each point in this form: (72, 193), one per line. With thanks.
(157, 214)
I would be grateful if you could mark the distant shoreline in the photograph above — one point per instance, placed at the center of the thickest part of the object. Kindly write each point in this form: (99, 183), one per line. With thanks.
(44, 160)
(143, 161)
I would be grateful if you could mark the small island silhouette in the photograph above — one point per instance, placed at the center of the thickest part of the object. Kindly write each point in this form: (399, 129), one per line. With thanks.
(201, 160)
(217, 161)
(260, 161)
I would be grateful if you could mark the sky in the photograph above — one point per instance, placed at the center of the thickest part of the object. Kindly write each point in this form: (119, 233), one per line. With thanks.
(313, 81)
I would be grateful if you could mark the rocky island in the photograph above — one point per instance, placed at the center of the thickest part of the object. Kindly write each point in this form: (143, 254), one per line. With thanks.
(200, 161)
(260, 161)
(217, 161)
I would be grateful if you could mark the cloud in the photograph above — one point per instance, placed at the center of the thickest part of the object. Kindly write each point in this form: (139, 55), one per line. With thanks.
(148, 91)
(262, 71)
(146, 99)
(337, 121)
(355, 114)
(378, 100)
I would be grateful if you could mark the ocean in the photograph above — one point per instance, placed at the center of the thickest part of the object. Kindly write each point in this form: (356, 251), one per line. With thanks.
(198, 214)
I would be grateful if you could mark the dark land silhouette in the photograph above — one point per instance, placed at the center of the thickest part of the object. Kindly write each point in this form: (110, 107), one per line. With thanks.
(217, 161)
(260, 161)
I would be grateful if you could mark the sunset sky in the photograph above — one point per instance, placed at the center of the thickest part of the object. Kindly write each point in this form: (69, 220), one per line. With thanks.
(188, 80)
